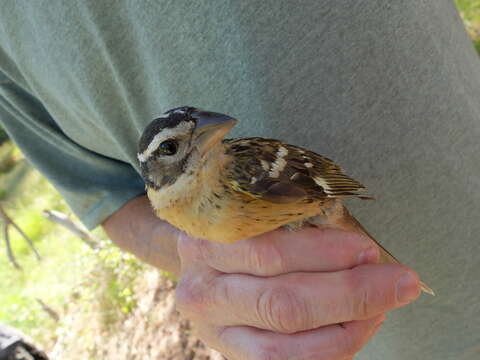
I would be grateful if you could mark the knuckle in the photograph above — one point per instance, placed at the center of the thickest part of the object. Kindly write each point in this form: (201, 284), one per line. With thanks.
(358, 304)
(192, 299)
(193, 249)
(364, 307)
(204, 250)
(281, 310)
(221, 293)
(265, 258)
(185, 246)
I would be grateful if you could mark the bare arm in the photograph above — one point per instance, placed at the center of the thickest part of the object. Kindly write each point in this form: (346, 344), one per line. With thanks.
(136, 229)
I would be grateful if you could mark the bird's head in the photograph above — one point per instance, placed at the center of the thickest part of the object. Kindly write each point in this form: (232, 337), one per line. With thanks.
(176, 140)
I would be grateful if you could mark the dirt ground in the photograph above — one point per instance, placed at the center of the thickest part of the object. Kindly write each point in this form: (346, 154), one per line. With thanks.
(153, 330)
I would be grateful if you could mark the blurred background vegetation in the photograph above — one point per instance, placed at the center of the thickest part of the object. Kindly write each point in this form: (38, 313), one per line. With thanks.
(100, 282)
(470, 13)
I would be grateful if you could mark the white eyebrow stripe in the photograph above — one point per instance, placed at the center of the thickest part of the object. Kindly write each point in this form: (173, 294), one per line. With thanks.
(161, 116)
(167, 133)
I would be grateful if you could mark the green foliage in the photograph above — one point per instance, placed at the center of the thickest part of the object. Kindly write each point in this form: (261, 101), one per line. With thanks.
(70, 272)
(470, 12)
(470, 9)
(119, 271)
(51, 280)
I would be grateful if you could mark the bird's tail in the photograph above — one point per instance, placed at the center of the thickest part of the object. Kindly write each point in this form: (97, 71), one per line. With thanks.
(338, 216)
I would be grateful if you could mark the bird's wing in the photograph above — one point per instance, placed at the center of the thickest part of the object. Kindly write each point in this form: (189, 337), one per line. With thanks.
(280, 173)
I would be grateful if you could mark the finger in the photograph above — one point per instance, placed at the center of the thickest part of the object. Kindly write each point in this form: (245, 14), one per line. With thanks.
(377, 327)
(330, 342)
(298, 301)
(282, 251)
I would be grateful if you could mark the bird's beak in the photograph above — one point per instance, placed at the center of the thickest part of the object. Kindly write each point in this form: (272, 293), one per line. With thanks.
(210, 129)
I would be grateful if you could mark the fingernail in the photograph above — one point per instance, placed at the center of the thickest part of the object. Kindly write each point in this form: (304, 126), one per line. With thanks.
(407, 288)
(368, 256)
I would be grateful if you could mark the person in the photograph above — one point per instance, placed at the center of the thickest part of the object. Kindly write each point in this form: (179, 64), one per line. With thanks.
(387, 89)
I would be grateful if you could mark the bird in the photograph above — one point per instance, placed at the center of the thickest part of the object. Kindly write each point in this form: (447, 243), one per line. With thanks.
(225, 190)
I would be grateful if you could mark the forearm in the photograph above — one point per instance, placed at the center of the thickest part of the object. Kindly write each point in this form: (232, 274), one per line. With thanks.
(136, 229)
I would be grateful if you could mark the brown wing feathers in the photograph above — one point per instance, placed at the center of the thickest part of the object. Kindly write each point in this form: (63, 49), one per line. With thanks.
(279, 172)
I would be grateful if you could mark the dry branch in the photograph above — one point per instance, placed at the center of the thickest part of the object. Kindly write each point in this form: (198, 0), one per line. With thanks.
(7, 222)
(50, 312)
(64, 220)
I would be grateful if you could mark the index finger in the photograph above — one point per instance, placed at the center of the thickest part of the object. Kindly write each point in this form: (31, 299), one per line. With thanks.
(282, 251)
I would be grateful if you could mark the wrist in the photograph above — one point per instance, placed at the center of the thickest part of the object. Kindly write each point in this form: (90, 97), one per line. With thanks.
(136, 229)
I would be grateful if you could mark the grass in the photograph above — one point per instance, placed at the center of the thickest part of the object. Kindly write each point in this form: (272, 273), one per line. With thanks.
(24, 195)
(70, 271)
(470, 12)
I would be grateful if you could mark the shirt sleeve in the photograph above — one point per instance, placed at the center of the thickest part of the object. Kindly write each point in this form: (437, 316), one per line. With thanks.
(93, 185)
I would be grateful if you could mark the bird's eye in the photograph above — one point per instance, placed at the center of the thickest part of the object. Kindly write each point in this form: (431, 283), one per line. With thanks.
(169, 147)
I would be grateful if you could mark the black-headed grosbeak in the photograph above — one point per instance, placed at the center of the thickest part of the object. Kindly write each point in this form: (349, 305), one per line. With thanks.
(226, 190)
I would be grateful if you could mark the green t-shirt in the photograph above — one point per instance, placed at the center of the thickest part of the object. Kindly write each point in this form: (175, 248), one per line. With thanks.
(388, 89)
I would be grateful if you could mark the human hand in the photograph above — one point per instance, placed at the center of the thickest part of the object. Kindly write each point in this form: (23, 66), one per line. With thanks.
(315, 293)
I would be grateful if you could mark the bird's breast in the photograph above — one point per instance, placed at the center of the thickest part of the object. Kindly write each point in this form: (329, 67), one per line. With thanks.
(217, 212)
